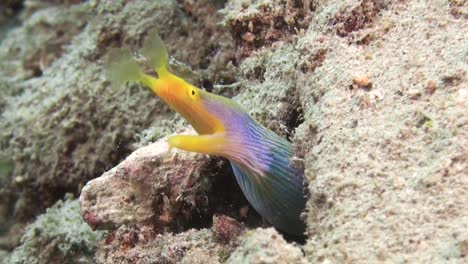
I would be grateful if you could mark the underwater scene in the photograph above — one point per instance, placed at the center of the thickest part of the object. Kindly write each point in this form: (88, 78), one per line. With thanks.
(233, 131)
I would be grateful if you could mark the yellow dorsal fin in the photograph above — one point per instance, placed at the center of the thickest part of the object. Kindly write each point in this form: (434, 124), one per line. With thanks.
(121, 67)
(155, 52)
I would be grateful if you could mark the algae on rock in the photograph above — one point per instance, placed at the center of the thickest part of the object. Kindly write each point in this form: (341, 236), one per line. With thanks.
(141, 245)
(266, 246)
(58, 236)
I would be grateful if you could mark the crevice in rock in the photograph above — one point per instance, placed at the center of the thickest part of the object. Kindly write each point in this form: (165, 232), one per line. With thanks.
(291, 115)
(267, 24)
(296, 116)
(228, 199)
(361, 16)
(224, 198)
(12, 7)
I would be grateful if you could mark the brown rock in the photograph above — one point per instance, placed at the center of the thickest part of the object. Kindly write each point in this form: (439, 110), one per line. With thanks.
(154, 184)
(226, 229)
(464, 248)
(362, 81)
(430, 88)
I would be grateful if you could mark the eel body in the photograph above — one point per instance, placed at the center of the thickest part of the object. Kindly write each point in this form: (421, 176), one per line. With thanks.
(260, 159)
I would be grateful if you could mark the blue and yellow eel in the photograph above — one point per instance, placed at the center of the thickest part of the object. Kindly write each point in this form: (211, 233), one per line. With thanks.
(260, 159)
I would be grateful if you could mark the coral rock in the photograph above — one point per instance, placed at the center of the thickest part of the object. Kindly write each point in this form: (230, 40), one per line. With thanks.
(141, 245)
(154, 184)
(58, 236)
(226, 229)
(266, 246)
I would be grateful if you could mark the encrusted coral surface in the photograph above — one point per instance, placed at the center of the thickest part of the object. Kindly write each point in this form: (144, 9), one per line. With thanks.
(372, 93)
(388, 162)
(58, 236)
(266, 246)
(142, 245)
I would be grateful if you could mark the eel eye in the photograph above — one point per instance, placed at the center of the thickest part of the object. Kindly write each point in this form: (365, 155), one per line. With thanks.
(193, 92)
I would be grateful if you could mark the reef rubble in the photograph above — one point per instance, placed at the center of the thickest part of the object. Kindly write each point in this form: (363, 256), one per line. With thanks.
(372, 94)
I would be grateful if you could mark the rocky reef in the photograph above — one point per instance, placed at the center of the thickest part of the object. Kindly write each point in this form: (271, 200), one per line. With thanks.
(58, 236)
(372, 94)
